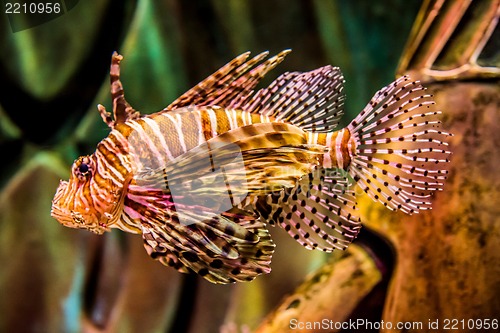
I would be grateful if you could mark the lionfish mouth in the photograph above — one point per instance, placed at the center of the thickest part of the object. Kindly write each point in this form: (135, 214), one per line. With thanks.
(72, 218)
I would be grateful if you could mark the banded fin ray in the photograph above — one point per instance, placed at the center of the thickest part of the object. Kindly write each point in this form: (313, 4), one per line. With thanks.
(313, 101)
(166, 241)
(122, 110)
(235, 79)
(319, 212)
(186, 213)
(401, 151)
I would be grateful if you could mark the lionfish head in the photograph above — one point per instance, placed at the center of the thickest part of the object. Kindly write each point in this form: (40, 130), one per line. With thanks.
(77, 204)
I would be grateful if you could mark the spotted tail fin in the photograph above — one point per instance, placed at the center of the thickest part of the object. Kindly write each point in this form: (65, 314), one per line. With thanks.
(401, 152)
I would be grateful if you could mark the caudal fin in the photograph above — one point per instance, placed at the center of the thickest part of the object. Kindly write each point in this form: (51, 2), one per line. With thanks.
(401, 153)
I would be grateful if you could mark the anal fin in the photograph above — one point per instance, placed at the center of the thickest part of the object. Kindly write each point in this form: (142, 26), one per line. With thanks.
(190, 249)
(319, 212)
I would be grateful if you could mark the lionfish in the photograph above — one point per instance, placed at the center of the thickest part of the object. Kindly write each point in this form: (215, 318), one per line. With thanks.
(201, 179)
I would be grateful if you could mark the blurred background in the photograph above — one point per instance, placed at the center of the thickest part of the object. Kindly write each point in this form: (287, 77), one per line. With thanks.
(55, 70)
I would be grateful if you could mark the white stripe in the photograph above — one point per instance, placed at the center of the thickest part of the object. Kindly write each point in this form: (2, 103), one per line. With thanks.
(111, 147)
(100, 197)
(161, 137)
(104, 168)
(82, 203)
(201, 137)
(233, 119)
(338, 151)
(141, 138)
(244, 118)
(178, 127)
(124, 142)
(314, 138)
(350, 147)
(125, 223)
(247, 118)
(213, 121)
(327, 159)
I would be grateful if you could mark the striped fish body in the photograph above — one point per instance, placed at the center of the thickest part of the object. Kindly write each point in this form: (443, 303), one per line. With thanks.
(201, 179)
(154, 141)
(160, 138)
(163, 136)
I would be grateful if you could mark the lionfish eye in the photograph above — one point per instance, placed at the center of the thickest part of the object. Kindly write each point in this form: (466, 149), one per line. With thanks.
(83, 168)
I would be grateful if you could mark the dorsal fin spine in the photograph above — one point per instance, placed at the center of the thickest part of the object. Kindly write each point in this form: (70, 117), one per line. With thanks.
(312, 101)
